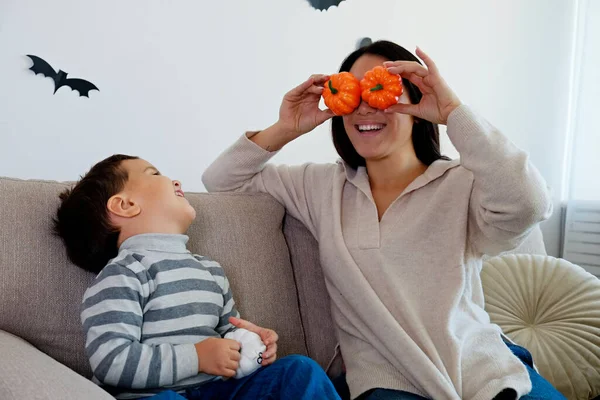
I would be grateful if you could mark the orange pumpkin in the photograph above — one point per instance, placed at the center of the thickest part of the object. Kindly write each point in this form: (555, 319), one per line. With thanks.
(380, 88)
(342, 93)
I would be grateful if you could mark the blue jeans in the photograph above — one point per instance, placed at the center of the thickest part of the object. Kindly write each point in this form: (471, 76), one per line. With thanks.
(292, 377)
(541, 388)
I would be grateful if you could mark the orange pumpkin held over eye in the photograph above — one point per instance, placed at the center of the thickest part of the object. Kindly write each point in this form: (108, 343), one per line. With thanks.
(342, 93)
(380, 88)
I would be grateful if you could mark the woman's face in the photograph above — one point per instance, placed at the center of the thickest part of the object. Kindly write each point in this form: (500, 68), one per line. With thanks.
(374, 133)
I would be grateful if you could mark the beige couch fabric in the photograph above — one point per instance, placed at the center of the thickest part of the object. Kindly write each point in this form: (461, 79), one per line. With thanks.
(552, 308)
(40, 291)
(27, 373)
(312, 293)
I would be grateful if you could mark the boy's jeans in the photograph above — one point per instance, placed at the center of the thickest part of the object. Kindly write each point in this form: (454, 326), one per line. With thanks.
(290, 378)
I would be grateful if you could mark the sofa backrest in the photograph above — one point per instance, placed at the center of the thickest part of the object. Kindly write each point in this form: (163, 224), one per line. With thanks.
(41, 291)
(315, 309)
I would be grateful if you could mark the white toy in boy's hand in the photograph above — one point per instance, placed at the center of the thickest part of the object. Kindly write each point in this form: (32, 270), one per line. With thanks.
(252, 349)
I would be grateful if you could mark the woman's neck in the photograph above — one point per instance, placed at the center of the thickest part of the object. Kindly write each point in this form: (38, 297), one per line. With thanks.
(391, 172)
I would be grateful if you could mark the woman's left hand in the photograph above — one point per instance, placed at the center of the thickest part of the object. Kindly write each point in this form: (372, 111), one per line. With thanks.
(438, 99)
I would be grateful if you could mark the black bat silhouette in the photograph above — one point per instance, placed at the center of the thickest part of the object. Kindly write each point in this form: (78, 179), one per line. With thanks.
(324, 4)
(60, 78)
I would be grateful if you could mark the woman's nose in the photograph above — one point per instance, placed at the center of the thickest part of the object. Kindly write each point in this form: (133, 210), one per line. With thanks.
(364, 108)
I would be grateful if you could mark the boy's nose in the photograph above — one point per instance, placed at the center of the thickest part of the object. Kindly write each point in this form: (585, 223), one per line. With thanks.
(177, 184)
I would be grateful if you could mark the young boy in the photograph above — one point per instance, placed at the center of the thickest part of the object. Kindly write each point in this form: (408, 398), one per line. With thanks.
(155, 316)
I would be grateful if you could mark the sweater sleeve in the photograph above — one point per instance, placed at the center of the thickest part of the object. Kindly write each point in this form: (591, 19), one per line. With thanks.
(244, 167)
(229, 307)
(112, 320)
(229, 310)
(509, 196)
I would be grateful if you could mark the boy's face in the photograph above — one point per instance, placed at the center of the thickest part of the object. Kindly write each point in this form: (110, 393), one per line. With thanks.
(161, 202)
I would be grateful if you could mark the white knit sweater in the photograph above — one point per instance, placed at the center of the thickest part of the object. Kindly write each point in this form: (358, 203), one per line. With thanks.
(406, 294)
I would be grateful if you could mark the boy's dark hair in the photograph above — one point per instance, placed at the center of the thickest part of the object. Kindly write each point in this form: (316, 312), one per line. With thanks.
(425, 135)
(82, 219)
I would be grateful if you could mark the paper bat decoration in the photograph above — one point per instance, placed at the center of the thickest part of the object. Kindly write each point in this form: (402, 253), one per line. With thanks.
(60, 78)
(324, 4)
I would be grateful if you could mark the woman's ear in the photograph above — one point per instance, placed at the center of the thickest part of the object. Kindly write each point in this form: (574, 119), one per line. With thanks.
(122, 206)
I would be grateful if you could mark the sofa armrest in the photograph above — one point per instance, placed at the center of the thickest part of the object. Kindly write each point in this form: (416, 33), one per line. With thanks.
(27, 373)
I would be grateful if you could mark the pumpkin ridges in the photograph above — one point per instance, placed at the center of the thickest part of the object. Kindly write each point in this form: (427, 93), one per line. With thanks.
(381, 89)
(342, 93)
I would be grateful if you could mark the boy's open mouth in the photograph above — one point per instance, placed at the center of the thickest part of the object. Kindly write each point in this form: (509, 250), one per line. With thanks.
(179, 193)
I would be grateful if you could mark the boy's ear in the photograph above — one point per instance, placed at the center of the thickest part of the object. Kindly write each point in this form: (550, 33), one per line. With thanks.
(122, 206)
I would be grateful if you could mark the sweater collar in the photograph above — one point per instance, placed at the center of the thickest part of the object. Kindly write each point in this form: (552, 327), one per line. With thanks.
(360, 178)
(160, 242)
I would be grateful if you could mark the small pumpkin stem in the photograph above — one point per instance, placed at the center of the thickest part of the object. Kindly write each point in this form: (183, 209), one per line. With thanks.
(333, 90)
(376, 88)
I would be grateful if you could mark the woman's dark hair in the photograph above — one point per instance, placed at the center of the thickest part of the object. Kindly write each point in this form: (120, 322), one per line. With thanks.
(82, 219)
(425, 135)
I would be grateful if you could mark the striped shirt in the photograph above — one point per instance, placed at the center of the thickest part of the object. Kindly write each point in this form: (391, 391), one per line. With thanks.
(145, 311)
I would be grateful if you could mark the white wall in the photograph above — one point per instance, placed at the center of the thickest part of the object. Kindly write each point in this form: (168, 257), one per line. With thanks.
(585, 180)
(180, 80)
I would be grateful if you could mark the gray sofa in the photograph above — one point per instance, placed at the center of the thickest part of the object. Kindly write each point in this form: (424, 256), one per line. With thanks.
(270, 258)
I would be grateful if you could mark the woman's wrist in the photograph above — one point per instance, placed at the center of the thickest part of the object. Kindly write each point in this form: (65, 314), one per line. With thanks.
(450, 109)
(274, 137)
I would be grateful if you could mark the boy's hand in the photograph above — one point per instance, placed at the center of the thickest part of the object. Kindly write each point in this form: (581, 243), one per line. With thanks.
(268, 336)
(218, 356)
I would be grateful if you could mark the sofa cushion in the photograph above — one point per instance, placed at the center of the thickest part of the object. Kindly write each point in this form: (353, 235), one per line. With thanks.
(27, 373)
(41, 291)
(551, 307)
(315, 309)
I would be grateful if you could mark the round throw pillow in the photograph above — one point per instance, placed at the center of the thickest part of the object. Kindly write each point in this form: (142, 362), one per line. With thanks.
(551, 307)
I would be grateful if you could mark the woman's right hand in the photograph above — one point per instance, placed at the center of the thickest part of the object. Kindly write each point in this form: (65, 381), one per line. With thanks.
(299, 112)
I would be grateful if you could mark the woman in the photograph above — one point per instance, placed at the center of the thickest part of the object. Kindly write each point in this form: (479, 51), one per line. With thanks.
(402, 230)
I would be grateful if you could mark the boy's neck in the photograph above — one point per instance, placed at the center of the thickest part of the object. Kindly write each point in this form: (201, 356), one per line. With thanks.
(131, 231)
(157, 242)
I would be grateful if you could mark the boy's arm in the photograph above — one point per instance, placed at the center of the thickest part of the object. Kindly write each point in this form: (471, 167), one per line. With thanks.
(112, 319)
(229, 309)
